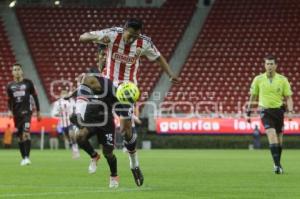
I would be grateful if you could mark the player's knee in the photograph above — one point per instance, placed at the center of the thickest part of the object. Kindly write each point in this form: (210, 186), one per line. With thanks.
(80, 139)
(26, 136)
(272, 136)
(81, 136)
(126, 128)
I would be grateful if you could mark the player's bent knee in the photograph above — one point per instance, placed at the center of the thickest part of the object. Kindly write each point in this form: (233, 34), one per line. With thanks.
(81, 136)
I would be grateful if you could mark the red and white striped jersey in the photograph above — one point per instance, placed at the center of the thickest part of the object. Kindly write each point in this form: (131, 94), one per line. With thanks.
(63, 109)
(123, 59)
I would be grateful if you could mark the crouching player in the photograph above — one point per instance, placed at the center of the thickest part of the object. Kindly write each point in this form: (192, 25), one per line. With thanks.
(94, 116)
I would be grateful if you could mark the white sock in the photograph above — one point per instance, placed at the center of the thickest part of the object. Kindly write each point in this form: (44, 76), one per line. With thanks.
(133, 160)
(75, 147)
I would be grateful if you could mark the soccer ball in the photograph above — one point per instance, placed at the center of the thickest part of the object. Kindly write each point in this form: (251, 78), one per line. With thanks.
(128, 93)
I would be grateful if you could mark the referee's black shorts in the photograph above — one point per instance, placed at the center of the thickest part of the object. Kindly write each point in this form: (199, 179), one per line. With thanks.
(273, 118)
(22, 122)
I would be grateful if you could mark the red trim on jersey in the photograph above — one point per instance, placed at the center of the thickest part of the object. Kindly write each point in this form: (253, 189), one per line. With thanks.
(123, 65)
(139, 44)
(115, 49)
(82, 98)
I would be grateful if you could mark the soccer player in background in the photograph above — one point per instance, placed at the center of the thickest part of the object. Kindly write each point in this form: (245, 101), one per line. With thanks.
(19, 92)
(125, 47)
(271, 90)
(63, 108)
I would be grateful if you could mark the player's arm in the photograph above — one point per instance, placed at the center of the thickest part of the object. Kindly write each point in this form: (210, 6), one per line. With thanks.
(73, 94)
(78, 117)
(254, 91)
(151, 52)
(9, 102)
(55, 109)
(161, 61)
(102, 37)
(287, 92)
(33, 93)
(289, 104)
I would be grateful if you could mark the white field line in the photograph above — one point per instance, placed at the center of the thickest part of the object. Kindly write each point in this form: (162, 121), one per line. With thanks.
(99, 190)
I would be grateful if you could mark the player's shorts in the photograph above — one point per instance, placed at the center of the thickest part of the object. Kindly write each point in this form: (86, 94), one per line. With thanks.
(273, 118)
(66, 130)
(124, 110)
(105, 134)
(22, 123)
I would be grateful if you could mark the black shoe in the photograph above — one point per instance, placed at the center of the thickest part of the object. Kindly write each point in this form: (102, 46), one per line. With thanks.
(138, 176)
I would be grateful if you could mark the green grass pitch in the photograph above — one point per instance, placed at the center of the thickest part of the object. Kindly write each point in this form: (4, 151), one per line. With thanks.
(169, 174)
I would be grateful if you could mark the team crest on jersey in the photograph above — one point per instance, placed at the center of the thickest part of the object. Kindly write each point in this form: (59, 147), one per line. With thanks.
(278, 90)
(123, 58)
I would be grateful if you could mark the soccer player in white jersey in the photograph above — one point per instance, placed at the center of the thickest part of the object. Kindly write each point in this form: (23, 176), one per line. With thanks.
(125, 46)
(63, 109)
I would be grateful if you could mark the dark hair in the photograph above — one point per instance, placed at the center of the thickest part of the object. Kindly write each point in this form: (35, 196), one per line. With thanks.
(17, 64)
(134, 23)
(271, 57)
(93, 70)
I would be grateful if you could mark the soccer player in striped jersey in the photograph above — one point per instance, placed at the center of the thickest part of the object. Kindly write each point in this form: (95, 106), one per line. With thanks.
(63, 108)
(125, 46)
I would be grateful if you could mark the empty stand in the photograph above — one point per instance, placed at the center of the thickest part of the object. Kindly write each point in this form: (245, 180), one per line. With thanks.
(7, 58)
(230, 49)
(52, 35)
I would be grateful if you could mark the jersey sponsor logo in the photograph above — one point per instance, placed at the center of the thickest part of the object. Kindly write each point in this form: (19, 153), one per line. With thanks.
(123, 58)
(23, 87)
(19, 93)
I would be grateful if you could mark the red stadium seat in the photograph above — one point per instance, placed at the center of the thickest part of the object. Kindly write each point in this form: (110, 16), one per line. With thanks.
(7, 59)
(230, 48)
(61, 28)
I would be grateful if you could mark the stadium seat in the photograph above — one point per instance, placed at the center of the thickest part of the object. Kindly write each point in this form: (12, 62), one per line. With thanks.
(7, 59)
(52, 35)
(230, 48)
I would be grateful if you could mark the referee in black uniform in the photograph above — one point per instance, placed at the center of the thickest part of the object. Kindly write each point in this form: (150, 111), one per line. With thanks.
(271, 90)
(19, 92)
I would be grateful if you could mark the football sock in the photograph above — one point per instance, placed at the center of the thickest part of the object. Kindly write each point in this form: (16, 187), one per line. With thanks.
(133, 160)
(275, 153)
(22, 149)
(27, 145)
(112, 162)
(280, 150)
(130, 144)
